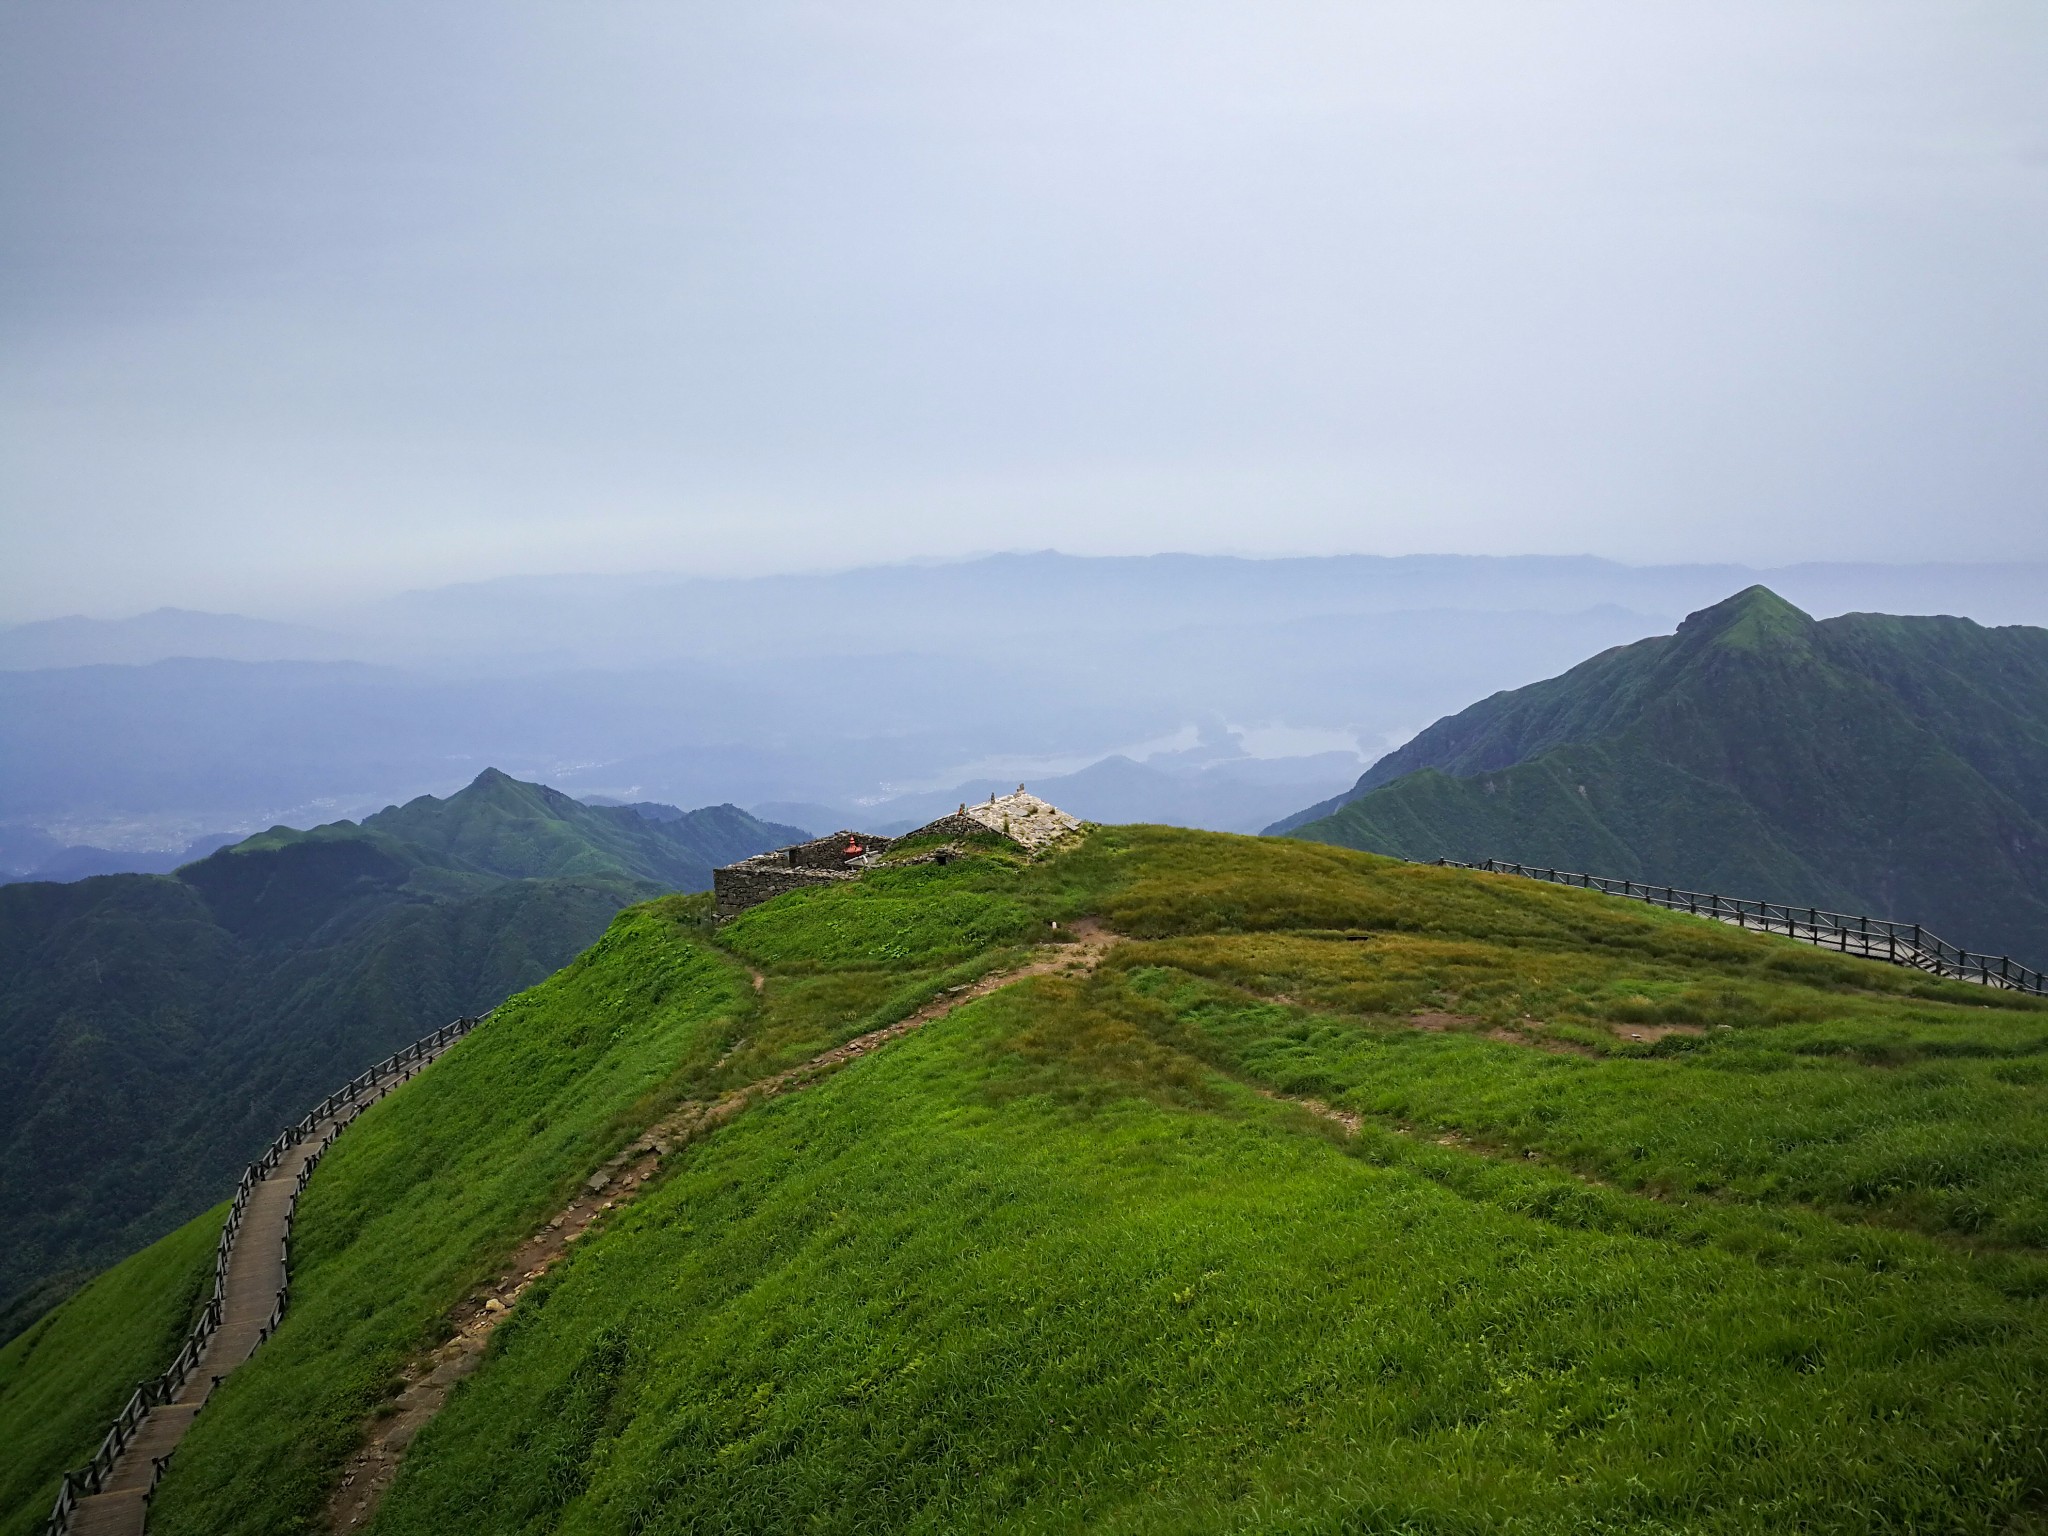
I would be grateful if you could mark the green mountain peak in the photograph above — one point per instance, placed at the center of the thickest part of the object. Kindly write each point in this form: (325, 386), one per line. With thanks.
(201, 1011)
(1751, 619)
(1895, 766)
(496, 785)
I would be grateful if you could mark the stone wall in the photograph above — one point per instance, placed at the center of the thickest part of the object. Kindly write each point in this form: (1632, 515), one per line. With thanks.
(830, 852)
(957, 824)
(765, 876)
(737, 887)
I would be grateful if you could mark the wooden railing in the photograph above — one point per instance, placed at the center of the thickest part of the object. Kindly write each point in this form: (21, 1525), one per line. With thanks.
(1873, 938)
(335, 1113)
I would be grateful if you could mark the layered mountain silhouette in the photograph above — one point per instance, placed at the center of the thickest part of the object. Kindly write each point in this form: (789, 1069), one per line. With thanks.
(1897, 766)
(156, 1030)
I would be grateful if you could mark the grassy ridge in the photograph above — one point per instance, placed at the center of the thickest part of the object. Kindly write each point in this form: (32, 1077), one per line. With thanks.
(1062, 1262)
(435, 1184)
(430, 1187)
(1778, 1098)
(943, 1295)
(65, 1377)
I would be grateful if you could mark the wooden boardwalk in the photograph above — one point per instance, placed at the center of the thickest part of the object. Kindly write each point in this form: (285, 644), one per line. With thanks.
(255, 1276)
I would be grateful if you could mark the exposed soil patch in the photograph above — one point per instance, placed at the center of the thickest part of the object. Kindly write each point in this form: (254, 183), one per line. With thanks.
(430, 1377)
(1352, 1122)
(1650, 1033)
(1529, 1032)
(1542, 1042)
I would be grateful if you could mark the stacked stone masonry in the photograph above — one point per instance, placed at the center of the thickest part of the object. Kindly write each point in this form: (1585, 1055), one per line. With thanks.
(765, 876)
(1023, 818)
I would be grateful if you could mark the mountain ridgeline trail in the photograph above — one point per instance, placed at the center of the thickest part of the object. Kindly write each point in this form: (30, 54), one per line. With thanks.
(1334, 1192)
(430, 1377)
(1865, 763)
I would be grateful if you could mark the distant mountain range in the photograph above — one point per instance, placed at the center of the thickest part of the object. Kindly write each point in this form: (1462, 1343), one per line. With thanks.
(165, 632)
(1005, 604)
(27, 854)
(1214, 784)
(139, 736)
(156, 1031)
(1869, 763)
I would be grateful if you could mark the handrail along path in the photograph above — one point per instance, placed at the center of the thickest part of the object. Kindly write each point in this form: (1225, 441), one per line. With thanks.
(1872, 938)
(109, 1495)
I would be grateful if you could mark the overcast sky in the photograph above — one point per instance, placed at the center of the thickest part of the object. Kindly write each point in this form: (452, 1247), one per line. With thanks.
(302, 302)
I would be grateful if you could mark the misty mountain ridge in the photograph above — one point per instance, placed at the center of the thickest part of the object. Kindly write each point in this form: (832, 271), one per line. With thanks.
(159, 635)
(1868, 763)
(1214, 785)
(210, 746)
(824, 690)
(611, 621)
(29, 855)
(155, 1030)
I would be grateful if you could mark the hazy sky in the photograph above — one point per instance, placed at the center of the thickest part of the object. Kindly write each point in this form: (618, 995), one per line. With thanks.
(305, 301)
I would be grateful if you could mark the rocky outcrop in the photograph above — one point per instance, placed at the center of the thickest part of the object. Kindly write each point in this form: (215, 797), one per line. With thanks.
(1023, 818)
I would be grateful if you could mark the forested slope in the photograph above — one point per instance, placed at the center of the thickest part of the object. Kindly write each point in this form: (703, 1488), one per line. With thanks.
(1895, 766)
(156, 1031)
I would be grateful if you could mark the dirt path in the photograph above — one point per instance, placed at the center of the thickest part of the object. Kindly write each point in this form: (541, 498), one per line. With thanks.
(1353, 1123)
(430, 1377)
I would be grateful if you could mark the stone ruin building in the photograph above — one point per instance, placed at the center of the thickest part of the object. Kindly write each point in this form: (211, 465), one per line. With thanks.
(822, 860)
(1023, 818)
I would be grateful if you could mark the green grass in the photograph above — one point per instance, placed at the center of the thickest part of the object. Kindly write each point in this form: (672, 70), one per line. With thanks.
(1929, 1114)
(428, 1192)
(64, 1379)
(1063, 1261)
(941, 1294)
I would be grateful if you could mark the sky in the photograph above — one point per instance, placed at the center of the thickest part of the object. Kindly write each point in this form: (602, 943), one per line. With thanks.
(302, 304)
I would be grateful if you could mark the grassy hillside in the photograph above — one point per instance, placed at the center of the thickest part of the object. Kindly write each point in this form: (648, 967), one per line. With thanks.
(1897, 766)
(64, 1378)
(156, 1031)
(1344, 1195)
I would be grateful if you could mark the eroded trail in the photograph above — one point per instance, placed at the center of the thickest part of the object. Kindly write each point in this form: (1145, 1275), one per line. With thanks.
(431, 1376)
